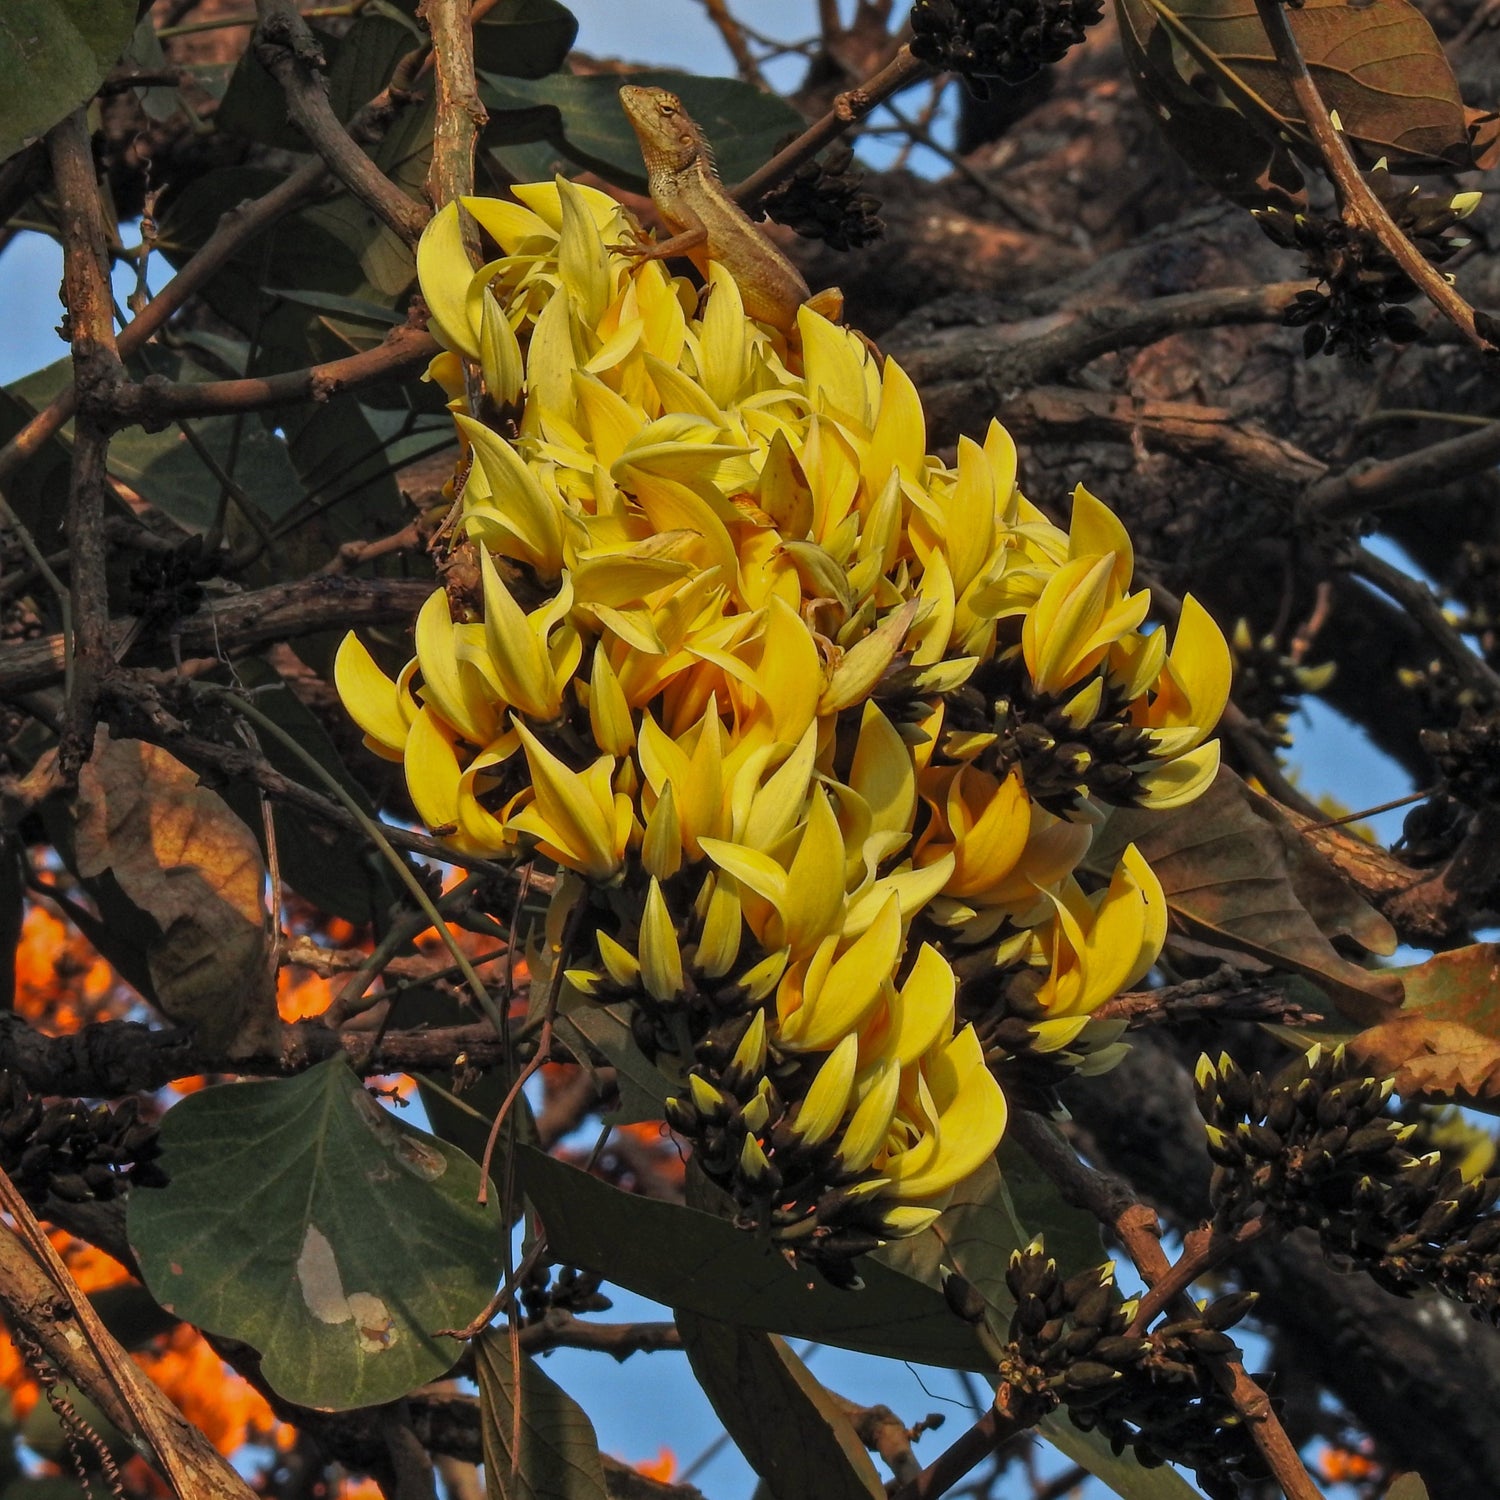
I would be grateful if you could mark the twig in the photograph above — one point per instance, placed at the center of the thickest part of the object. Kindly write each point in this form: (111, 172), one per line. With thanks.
(849, 108)
(1203, 1250)
(460, 115)
(735, 40)
(1222, 995)
(235, 228)
(1418, 601)
(1138, 1230)
(1359, 203)
(1402, 481)
(559, 1329)
(235, 622)
(156, 401)
(96, 371)
(289, 52)
(373, 831)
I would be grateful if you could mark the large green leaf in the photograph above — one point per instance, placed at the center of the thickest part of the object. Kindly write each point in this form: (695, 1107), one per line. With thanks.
(359, 66)
(525, 38)
(1379, 65)
(55, 53)
(1234, 877)
(306, 1220)
(559, 1454)
(790, 1429)
(1120, 1472)
(975, 1237)
(1407, 1487)
(1071, 1234)
(579, 118)
(693, 1260)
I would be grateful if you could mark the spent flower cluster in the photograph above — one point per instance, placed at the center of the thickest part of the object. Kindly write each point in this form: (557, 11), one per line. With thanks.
(772, 687)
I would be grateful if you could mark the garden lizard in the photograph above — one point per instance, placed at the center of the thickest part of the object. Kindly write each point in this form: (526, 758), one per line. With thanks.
(706, 223)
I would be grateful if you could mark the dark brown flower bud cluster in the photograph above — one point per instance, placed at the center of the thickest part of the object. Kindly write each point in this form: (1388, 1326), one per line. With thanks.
(1366, 289)
(1315, 1146)
(570, 1290)
(825, 199)
(1070, 1343)
(782, 1167)
(1467, 757)
(1269, 684)
(1005, 39)
(72, 1151)
(1069, 749)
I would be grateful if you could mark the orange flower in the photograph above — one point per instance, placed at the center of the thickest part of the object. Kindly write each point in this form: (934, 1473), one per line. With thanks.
(661, 1468)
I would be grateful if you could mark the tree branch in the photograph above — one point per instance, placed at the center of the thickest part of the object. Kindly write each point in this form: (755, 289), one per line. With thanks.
(96, 372)
(41, 1297)
(289, 52)
(235, 622)
(460, 115)
(236, 228)
(849, 108)
(109, 1058)
(157, 401)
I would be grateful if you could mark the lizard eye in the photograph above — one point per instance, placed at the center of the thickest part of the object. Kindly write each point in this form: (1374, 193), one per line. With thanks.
(667, 110)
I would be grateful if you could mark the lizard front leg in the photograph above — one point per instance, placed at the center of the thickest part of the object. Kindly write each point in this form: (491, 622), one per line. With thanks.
(691, 232)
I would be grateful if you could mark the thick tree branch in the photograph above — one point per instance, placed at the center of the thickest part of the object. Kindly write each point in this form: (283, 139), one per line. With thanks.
(1014, 356)
(460, 115)
(109, 1058)
(235, 622)
(1406, 480)
(289, 52)
(41, 1298)
(96, 372)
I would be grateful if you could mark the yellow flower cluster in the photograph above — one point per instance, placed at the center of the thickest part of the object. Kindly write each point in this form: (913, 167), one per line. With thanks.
(813, 715)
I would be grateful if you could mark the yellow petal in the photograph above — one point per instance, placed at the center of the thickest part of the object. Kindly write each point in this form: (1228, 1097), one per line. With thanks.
(823, 1104)
(370, 696)
(518, 654)
(864, 1137)
(660, 954)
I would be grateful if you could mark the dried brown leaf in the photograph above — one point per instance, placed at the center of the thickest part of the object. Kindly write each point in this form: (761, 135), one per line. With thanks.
(1447, 1038)
(180, 855)
(1380, 66)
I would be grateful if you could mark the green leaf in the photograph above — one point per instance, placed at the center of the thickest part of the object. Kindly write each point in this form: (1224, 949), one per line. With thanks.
(1379, 65)
(975, 1237)
(1234, 876)
(559, 1454)
(793, 1433)
(581, 118)
(1121, 1473)
(1407, 1487)
(693, 1260)
(585, 1026)
(55, 53)
(306, 1220)
(525, 38)
(360, 64)
(1071, 1234)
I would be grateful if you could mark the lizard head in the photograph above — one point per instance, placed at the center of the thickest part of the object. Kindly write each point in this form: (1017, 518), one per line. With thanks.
(662, 124)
